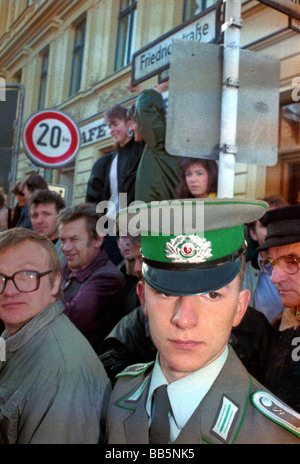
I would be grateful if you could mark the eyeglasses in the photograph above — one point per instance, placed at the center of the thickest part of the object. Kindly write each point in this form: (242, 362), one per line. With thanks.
(287, 264)
(24, 281)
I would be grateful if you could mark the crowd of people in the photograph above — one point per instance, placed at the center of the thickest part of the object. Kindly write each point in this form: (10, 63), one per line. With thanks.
(103, 333)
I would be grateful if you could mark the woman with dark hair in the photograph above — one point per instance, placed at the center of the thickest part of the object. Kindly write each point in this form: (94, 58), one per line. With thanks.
(198, 178)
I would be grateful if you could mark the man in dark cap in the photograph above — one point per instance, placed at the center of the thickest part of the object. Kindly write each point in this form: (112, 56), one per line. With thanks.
(197, 390)
(282, 244)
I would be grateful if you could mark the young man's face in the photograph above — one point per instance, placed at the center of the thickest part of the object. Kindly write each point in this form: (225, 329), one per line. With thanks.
(76, 244)
(118, 130)
(44, 219)
(192, 331)
(17, 308)
(288, 286)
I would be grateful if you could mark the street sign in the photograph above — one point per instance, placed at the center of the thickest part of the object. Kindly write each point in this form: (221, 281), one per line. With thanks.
(154, 58)
(51, 138)
(195, 97)
(290, 7)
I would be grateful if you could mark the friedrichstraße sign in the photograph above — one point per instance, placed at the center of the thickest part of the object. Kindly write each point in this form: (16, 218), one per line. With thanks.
(154, 58)
(290, 7)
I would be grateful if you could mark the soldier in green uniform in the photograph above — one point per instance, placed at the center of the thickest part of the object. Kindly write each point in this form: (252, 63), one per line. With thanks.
(197, 390)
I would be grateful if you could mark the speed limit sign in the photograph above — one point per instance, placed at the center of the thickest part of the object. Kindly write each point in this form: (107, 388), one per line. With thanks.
(51, 138)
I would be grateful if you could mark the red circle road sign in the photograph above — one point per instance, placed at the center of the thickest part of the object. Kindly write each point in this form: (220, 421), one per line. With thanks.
(51, 138)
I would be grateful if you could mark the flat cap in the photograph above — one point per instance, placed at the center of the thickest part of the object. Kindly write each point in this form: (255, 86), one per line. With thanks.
(283, 226)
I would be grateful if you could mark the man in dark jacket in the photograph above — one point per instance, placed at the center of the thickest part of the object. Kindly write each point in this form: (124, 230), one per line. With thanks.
(94, 289)
(107, 177)
(115, 173)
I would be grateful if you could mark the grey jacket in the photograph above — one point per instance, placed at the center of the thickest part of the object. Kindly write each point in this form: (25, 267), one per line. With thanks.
(237, 409)
(53, 388)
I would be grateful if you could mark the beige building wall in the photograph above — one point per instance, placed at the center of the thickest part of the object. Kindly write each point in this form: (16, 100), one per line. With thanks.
(28, 27)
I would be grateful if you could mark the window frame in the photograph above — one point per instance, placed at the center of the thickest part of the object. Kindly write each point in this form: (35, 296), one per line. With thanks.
(127, 49)
(43, 79)
(203, 8)
(77, 52)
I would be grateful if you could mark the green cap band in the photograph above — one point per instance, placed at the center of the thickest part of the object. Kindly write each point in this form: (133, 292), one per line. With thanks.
(222, 242)
(192, 246)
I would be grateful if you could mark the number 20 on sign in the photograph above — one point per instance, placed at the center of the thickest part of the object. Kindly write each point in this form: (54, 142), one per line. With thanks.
(51, 138)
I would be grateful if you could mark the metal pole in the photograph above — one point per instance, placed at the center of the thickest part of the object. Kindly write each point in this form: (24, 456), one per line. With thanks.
(229, 105)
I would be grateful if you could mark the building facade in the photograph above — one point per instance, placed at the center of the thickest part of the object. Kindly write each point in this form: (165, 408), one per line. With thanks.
(76, 56)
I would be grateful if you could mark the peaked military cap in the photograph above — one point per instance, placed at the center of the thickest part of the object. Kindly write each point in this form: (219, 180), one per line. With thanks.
(283, 226)
(191, 246)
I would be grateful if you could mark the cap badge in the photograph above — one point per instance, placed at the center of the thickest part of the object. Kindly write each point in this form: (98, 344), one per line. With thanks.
(189, 248)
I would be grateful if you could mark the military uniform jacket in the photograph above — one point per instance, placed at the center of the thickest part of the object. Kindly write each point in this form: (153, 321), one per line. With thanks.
(237, 409)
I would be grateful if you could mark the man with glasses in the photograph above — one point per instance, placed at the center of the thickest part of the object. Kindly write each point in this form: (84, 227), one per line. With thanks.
(264, 296)
(53, 388)
(282, 263)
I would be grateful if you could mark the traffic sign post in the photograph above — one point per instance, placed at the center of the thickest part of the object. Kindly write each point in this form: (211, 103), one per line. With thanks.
(51, 139)
(229, 105)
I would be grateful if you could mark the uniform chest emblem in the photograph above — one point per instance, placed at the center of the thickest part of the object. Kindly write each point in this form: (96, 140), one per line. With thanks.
(188, 248)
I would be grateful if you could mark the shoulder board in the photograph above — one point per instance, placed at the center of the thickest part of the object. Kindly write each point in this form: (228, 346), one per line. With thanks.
(277, 411)
(135, 370)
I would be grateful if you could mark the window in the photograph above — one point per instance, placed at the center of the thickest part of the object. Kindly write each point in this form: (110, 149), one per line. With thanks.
(77, 58)
(43, 80)
(126, 32)
(194, 7)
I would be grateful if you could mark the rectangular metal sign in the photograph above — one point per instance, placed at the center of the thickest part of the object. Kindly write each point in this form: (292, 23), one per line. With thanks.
(155, 57)
(290, 7)
(194, 104)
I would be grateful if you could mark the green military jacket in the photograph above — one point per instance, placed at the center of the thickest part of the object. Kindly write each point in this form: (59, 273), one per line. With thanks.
(158, 173)
(237, 409)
